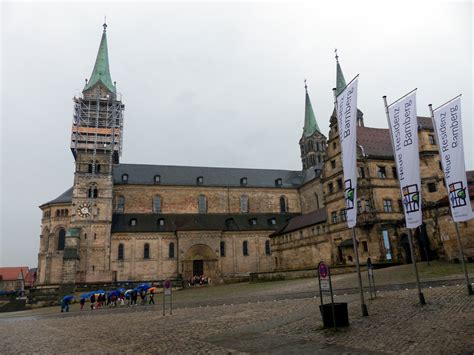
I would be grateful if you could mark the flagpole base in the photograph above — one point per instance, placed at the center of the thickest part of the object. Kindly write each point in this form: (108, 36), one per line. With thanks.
(469, 289)
(421, 297)
(365, 313)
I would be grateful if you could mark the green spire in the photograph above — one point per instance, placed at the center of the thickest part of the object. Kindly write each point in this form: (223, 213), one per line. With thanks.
(101, 70)
(310, 125)
(340, 81)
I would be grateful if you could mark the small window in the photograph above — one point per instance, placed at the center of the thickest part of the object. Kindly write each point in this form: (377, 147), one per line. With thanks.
(301, 235)
(331, 187)
(157, 179)
(365, 246)
(222, 248)
(61, 239)
(440, 164)
(432, 139)
(244, 204)
(431, 187)
(124, 177)
(278, 182)
(200, 180)
(333, 164)
(243, 181)
(253, 221)
(387, 205)
(161, 222)
(334, 145)
(339, 184)
(146, 251)
(133, 222)
(97, 168)
(90, 168)
(272, 221)
(317, 229)
(283, 204)
(382, 174)
(245, 248)
(157, 204)
(400, 205)
(120, 254)
(394, 172)
(202, 204)
(359, 206)
(361, 172)
(368, 206)
(343, 215)
(334, 216)
(120, 207)
(268, 250)
(171, 251)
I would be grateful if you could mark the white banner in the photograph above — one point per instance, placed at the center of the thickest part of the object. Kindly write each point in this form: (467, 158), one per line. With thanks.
(447, 122)
(346, 103)
(403, 125)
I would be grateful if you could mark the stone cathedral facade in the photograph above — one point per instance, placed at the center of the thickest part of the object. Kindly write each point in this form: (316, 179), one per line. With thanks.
(132, 222)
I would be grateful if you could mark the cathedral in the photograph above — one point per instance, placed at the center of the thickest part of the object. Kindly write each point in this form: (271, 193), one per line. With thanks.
(132, 222)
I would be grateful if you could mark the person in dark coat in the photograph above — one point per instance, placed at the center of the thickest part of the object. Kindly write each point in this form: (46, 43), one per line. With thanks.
(92, 301)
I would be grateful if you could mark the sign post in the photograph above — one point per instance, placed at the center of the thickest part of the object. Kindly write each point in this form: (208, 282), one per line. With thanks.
(325, 285)
(167, 292)
(370, 275)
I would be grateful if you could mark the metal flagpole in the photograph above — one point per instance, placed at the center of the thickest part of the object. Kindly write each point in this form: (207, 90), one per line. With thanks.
(461, 255)
(363, 306)
(458, 235)
(421, 297)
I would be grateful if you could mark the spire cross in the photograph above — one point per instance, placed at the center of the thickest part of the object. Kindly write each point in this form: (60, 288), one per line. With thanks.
(337, 57)
(105, 23)
(305, 86)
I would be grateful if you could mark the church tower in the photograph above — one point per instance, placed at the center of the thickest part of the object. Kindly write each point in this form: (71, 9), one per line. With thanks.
(96, 144)
(312, 142)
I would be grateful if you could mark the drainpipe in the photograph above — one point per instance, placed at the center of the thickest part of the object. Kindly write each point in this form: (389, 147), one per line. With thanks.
(177, 253)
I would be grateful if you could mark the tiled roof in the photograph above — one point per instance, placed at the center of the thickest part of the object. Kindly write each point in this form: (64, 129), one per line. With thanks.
(187, 175)
(376, 142)
(196, 222)
(13, 273)
(303, 221)
(65, 197)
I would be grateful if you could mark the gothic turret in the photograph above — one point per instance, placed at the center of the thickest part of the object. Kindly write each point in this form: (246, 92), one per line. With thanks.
(312, 142)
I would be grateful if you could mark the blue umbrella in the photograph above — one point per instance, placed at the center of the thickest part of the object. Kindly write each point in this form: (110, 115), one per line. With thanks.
(68, 298)
(86, 295)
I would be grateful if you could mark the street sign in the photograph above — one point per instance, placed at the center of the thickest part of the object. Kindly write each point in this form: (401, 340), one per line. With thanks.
(167, 289)
(323, 270)
(324, 284)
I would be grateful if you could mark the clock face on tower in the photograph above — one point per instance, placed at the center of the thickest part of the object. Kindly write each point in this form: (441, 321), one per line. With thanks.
(84, 210)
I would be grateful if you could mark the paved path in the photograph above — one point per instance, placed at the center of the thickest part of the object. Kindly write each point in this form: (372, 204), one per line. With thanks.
(397, 324)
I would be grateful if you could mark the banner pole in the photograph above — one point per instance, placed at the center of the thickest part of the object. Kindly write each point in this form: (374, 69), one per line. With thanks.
(421, 297)
(458, 235)
(363, 306)
(461, 255)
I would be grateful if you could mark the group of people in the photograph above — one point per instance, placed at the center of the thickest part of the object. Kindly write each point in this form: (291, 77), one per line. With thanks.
(199, 280)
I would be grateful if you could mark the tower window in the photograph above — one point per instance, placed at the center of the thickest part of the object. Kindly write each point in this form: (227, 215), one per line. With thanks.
(381, 172)
(120, 255)
(334, 216)
(365, 246)
(222, 248)
(243, 181)
(278, 182)
(331, 187)
(400, 205)
(200, 180)
(432, 139)
(394, 172)
(268, 250)
(334, 145)
(61, 239)
(93, 192)
(157, 179)
(157, 204)
(333, 164)
(339, 184)
(431, 187)
(202, 204)
(361, 172)
(387, 205)
(244, 204)
(90, 168)
(171, 251)
(343, 215)
(283, 204)
(133, 222)
(124, 177)
(146, 251)
(245, 248)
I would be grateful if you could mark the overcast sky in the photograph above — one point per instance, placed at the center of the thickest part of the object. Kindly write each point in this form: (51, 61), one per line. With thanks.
(209, 84)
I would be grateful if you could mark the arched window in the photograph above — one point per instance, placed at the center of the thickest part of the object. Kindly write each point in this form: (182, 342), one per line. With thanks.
(244, 204)
(157, 204)
(171, 251)
(120, 206)
(283, 204)
(120, 255)
(202, 204)
(245, 248)
(222, 247)
(146, 251)
(93, 192)
(66, 212)
(268, 250)
(61, 239)
(57, 213)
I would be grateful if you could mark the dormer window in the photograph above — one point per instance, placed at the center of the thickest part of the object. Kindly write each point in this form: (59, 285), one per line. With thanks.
(157, 179)
(200, 180)
(253, 221)
(133, 222)
(161, 222)
(124, 177)
(278, 182)
(243, 181)
(272, 221)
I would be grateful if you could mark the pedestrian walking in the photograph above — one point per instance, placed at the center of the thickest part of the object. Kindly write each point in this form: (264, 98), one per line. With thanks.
(152, 300)
(82, 302)
(92, 301)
